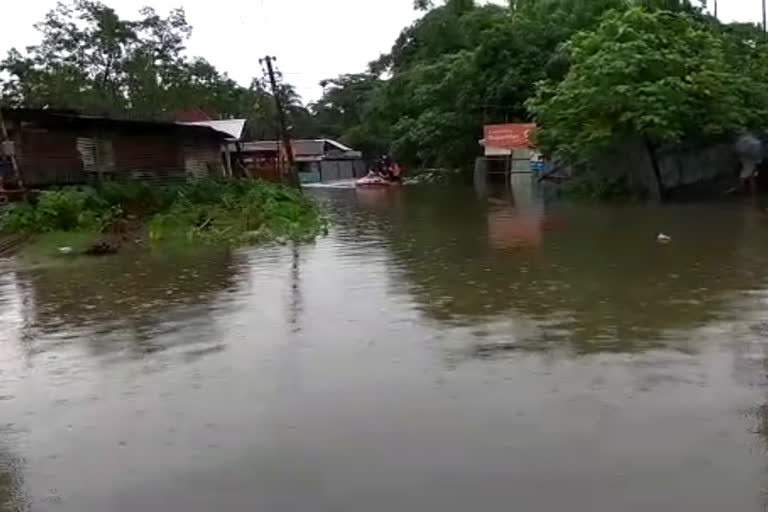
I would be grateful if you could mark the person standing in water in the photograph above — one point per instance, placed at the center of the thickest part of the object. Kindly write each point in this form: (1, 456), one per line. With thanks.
(750, 152)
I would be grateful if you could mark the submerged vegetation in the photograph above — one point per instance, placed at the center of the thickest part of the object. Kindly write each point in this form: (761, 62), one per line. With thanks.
(242, 211)
(100, 219)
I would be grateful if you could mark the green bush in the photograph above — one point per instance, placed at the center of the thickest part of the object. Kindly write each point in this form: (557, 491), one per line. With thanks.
(237, 210)
(61, 210)
(212, 210)
(18, 218)
(137, 198)
(68, 209)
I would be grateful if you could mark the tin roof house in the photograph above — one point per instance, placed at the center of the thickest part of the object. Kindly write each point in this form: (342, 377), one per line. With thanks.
(66, 148)
(318, 160)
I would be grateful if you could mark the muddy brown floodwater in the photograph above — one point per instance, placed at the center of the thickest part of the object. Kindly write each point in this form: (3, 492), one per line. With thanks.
(436, 352)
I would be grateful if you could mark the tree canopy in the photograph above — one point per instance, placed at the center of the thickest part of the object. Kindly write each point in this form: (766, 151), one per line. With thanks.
(587, 71)
(458, 67)
(90, 59)
(661, 75)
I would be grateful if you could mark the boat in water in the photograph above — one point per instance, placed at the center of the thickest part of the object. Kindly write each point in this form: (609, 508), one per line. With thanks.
(387, 174)
(375, 182)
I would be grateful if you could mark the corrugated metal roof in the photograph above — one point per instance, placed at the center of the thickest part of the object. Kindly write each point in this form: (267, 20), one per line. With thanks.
(308, 147)
(301, 147)
(72, 118)
(338, 145)
(232, 127)
(258, 146)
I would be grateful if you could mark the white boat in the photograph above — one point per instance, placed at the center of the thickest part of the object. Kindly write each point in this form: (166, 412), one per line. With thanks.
(375, 181)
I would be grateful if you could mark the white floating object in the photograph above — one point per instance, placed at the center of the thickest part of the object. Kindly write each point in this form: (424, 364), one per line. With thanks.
(65, 250)
(664, 239)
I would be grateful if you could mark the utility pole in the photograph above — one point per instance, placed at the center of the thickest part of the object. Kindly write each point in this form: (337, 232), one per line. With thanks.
(765, 28)
(715, 9)
(293, 176)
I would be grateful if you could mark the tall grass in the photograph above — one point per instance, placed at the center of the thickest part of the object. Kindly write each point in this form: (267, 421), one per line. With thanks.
(235, 211)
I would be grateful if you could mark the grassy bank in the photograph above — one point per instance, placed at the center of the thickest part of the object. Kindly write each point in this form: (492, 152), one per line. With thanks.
(116, 215)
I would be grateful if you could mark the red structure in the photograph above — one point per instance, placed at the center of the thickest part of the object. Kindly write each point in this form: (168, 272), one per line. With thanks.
(509, 136)
(193, 115)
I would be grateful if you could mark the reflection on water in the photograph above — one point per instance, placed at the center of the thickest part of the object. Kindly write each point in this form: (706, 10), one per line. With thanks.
(438, 351)
(127, 306)
(597, 279)
(12, 493)
(510, 228)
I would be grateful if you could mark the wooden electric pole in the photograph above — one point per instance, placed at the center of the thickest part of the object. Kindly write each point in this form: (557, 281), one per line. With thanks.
(765, 28)
(715, 9)
(293, 176)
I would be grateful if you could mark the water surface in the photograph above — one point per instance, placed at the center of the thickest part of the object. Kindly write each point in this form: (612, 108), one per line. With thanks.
(438, 351)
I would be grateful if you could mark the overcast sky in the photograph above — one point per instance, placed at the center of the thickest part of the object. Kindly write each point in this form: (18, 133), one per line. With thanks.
(312, 39)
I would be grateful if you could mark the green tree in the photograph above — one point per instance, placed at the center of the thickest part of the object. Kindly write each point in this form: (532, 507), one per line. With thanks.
(658, 75)
(92, 60)
(344, 105)
(458, 67)
(79, 61)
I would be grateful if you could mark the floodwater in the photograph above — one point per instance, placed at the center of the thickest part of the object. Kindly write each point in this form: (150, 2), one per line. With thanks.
(438, 351)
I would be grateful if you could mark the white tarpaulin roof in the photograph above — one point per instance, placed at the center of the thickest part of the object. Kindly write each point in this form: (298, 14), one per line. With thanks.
(232, 127)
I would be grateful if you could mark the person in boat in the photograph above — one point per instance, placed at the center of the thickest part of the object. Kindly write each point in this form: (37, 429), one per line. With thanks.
(373, 177)
(395, 173)
(383, 167)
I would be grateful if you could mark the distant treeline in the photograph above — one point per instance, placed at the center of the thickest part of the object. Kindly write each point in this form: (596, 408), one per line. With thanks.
(92, 60)
(590, 73)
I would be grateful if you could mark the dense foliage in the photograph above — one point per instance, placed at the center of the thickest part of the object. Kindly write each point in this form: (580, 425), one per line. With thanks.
(458, 67)
(587, 71)
(659, 75)
(234, 211)
(237, 211)
(91, 59)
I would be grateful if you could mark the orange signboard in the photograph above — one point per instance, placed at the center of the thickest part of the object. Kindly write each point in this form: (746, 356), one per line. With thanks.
(509, 136)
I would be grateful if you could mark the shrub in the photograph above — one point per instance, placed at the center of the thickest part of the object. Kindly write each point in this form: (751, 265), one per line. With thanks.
(216, 210)
(18, 218)
(60, 210)
(136, 198)
(56, 210)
